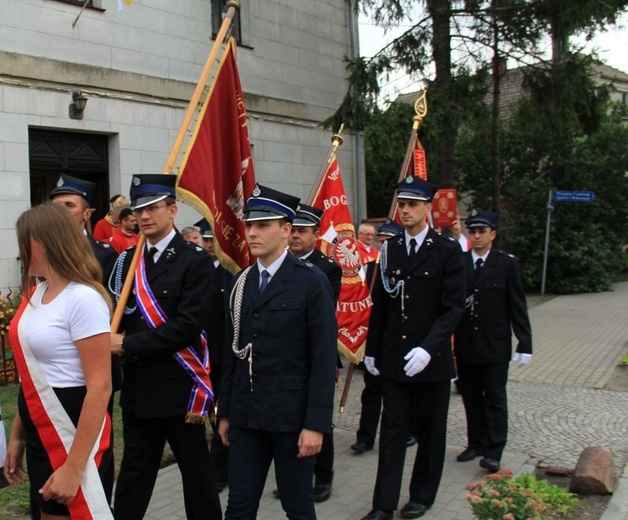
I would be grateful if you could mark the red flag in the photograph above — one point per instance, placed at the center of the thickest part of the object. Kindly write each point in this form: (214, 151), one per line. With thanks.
(420, 167)
(338, 242)
(445, 207)
(217, 171)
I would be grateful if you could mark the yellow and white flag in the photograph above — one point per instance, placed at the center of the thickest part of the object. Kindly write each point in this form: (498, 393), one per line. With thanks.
(123, 3)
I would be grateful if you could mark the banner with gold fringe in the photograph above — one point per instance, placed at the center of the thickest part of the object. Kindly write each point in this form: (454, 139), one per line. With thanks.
(217, 173)
(339, 243)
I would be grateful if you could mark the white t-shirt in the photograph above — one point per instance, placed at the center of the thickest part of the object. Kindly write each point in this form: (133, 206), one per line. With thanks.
(77, 312)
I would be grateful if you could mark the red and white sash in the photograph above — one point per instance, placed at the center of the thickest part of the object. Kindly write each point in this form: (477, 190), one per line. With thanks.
(53, 424)
(202, 395)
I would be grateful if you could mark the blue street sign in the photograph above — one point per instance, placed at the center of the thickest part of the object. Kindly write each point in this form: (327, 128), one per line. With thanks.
(572, 196)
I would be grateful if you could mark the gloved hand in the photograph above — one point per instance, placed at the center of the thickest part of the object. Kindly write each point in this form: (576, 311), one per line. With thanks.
(417, 358)
(523, 359)
(369, 363)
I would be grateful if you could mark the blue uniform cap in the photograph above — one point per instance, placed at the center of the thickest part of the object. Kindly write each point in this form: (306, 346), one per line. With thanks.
(308, 216)
(74, 186)
(415, 188)
(149, 188)
(390, 228)
(268, 204)
(482, 218)
(206, 229)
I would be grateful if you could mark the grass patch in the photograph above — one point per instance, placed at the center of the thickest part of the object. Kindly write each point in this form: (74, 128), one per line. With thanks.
(13, 499)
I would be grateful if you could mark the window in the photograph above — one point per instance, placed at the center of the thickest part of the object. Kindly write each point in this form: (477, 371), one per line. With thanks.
(219, 9)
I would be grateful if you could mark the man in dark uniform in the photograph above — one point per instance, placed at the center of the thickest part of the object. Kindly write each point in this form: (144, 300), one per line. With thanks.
(496, 306)
(417, 303)
(371, 397)
(303, 245)
(277, 392)
(77, 195)
(162, 346)
(215, 329)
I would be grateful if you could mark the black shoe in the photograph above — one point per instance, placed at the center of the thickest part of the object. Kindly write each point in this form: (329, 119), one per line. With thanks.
(378, 514)
(490, 464)
(321, 492)
(413, 510)
(467, 455)
(276, 493)
(220, 486)
(411, 441)
(361, 447)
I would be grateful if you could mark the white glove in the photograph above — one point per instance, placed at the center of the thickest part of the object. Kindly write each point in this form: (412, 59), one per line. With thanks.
(418, 359)
(523, 359)
(369, 363)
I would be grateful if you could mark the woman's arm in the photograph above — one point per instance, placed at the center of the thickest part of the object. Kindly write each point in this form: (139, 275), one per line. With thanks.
(14, 470)
(95, 356)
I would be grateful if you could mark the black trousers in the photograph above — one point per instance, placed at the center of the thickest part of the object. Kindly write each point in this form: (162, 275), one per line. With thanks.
(144, 441)
(429, 404)
(251, 452)
(371, 407)
(486, 406)
(324, 463)
(218, 451)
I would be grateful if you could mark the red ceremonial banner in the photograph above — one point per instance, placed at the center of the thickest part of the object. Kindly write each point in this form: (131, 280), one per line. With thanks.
(420, 167)
(339, 243)
(445, 207)
(217, 175)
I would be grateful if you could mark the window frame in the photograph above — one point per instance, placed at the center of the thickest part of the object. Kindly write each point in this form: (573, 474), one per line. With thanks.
(240, 21)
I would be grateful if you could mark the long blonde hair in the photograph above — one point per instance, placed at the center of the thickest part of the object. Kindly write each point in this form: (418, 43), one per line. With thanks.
(67, 248)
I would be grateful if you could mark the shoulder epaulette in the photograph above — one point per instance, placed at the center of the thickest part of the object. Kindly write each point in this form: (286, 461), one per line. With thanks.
(447, 238)
(507, 254)
(194, 247)
(305, 263)
(103, 245)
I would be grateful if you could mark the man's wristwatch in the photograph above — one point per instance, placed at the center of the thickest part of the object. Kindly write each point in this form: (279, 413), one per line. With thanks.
(121, 353)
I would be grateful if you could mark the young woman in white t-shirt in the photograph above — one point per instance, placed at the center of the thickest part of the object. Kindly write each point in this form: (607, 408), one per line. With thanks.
(62, 336)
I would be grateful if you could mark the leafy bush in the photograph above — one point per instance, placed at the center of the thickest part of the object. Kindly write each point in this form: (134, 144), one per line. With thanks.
(499, 496)
(8, 306)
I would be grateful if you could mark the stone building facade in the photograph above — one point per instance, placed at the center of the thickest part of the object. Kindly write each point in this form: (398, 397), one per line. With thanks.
(138, 68)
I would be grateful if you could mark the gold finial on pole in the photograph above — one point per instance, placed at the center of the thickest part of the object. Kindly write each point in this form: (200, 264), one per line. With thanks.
(420, 107)
(336, 139)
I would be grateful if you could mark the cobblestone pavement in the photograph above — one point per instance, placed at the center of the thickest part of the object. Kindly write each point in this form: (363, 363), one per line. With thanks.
(556, 409)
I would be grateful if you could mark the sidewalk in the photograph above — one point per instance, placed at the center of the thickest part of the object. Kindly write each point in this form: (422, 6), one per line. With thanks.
(353, 487)
(556, 409)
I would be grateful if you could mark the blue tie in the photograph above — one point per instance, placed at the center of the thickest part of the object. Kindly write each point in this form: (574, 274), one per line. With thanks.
(265, 280)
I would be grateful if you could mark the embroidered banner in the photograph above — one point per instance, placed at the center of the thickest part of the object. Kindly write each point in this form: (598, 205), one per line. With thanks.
(338, 242)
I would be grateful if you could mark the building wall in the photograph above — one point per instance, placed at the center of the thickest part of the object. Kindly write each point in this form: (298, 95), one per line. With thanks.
(139, 66)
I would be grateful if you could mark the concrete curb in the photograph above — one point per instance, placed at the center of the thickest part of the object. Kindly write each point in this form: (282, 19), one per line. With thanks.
(617, 508)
